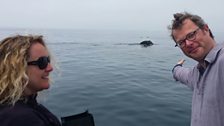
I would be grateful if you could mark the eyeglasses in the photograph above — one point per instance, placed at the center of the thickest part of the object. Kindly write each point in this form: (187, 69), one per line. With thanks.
(42, 62)
(190, 36)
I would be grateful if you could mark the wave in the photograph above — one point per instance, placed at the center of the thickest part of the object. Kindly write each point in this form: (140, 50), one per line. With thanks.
(92, 44)
(126, 44)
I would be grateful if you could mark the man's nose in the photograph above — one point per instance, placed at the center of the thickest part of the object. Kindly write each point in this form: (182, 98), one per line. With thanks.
(188, 42)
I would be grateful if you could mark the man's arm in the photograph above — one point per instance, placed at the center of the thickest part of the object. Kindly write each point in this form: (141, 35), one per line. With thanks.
(182, 74)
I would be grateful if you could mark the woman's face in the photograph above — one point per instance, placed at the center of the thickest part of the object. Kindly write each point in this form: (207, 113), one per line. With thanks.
(38, 76)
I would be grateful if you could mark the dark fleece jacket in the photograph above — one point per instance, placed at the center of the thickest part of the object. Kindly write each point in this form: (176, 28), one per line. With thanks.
(27, 112)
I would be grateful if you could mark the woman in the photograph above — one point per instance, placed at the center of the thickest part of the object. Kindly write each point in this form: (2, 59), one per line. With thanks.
(24, 71)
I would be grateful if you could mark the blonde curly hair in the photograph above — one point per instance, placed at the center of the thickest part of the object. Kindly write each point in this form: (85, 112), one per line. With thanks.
(14, 54)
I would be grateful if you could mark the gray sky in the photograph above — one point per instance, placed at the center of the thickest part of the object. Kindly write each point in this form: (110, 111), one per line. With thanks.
(105, 14)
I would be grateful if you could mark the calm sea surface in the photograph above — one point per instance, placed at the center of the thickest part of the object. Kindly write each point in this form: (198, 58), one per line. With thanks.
(117, 80)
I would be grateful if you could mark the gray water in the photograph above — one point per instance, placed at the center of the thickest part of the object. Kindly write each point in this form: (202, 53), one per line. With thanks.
(117, 80)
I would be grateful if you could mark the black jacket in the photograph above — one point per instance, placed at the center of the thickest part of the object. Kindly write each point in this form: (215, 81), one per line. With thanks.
(27, 112)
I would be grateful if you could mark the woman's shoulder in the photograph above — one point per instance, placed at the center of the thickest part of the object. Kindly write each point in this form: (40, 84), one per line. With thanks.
(18, 108)
(19, 114)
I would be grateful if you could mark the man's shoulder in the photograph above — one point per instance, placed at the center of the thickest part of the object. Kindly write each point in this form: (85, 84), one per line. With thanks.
(221, 55)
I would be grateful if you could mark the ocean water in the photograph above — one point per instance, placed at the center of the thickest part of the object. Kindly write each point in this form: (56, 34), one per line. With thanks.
(120, 82)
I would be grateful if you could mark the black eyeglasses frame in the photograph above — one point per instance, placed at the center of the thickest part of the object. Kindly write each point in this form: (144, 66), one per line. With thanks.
(41, 62)
(190, 36)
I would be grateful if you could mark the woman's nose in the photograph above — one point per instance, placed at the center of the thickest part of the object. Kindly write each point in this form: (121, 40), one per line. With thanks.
(49, 67)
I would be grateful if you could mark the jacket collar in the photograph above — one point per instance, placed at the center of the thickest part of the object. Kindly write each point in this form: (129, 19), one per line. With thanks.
(210, 58)
(212, 55)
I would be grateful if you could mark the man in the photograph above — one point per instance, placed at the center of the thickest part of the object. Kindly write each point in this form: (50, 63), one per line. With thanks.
(193, 36)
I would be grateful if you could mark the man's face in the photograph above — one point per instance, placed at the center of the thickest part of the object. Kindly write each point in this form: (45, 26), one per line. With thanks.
(195, 42)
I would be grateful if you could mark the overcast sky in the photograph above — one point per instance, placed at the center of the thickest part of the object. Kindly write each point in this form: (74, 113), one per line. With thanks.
(105, 14)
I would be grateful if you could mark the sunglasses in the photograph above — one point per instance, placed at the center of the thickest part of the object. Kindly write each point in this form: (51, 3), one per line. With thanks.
(42, 62)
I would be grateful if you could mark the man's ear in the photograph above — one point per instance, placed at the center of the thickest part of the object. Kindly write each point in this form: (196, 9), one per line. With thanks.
(206, 28)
